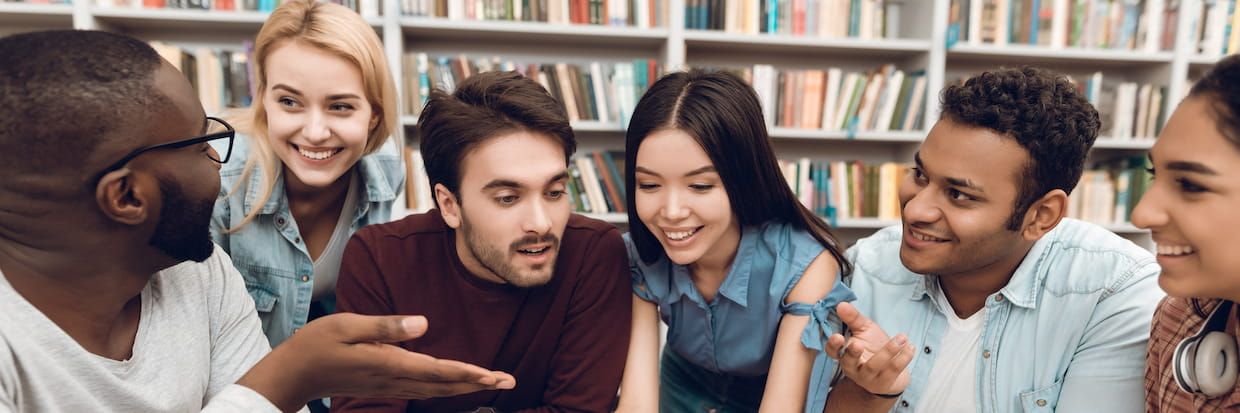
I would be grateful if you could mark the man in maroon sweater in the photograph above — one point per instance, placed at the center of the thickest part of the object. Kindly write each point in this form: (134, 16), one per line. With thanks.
(509, 279)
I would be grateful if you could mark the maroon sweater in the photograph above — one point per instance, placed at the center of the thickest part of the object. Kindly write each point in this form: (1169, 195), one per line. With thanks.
(565, 342)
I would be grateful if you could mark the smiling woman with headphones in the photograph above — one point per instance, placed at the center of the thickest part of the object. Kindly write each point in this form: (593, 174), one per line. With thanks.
(1191, 210)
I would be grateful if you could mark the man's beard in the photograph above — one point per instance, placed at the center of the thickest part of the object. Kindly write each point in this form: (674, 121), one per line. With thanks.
(184, 228)
(497, 261)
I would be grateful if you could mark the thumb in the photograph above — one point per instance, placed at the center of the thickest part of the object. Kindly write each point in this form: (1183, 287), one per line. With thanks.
(851, 317)
(383, 329)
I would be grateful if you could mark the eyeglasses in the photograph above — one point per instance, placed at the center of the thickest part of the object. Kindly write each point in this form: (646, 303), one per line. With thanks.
(227, 132)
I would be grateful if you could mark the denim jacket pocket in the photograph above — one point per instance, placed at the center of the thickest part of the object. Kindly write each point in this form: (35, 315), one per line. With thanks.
(264, 301)
(1042, 399)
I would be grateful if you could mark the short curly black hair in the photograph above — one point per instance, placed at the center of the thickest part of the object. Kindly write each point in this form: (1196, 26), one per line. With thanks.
(1222, 85)
(1043, 112)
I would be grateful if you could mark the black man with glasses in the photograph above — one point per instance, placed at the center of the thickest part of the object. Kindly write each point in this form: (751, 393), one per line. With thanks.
(112, 296)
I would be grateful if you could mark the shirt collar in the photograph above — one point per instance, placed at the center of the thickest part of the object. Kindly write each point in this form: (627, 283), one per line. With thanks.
(735, 286)
(381, 183)
(1022, 289)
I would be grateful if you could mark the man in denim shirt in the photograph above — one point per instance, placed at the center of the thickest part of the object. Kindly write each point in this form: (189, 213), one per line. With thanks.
(1009, 306)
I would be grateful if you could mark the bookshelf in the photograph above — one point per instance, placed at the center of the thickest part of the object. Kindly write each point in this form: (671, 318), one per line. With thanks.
(917, 40)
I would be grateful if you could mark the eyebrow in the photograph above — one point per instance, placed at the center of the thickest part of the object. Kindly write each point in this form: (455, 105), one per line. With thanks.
(341, 96)
(960, 182)
(698, 171)
(1195, 167)
(508, 183)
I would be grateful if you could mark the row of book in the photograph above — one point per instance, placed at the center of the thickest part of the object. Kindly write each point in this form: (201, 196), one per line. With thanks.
(1109, 191)
(38, 1)
(221, 77)
(635, 13)
(846, 189)
(1129, 110)
(597, 91)
(1148, 25)
(882, 99)
(865, 19)
(1217, 28)
(367, 8)
(596, 183)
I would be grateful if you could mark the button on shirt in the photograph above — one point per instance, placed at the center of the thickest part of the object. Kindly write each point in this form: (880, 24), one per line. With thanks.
(1067, 332)
(735, 333)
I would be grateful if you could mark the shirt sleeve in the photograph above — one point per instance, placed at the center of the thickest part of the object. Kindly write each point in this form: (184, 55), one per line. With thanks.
(238, 398)
(360, 289)
(637, 273)
(1107, 372)
(821, 318)
(237, 340)
(586, 369)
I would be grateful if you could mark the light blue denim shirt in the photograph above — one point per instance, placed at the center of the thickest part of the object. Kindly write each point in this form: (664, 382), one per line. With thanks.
(735, 334)
(1068, 332)
(269, 252)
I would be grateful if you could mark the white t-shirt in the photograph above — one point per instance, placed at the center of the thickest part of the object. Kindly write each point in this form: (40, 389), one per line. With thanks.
(953, 381)
(197, 335)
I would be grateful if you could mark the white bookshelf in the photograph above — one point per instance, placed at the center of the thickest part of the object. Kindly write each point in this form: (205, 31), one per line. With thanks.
(919, 44)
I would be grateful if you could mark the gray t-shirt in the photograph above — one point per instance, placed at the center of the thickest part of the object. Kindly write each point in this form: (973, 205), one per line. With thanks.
(197, 335)
(327, 267)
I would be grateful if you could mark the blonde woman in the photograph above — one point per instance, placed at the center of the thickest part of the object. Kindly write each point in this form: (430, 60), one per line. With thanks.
(315, 167)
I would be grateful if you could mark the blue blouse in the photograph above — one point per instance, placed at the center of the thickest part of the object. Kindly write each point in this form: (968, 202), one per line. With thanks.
(735, 334)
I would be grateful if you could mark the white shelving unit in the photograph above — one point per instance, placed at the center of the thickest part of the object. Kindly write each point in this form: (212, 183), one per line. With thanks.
(920, 44)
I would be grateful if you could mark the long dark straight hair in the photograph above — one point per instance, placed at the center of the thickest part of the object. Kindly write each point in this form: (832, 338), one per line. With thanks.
(722, 113)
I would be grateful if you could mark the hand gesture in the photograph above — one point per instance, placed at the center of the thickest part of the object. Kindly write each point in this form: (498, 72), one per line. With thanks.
(346, 355)
(869, 358)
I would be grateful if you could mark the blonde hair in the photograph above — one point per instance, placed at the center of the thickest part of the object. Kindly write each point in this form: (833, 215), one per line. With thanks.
(331, 28)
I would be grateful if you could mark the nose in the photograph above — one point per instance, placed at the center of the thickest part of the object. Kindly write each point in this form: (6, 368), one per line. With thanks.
(539, 219)
(918, 208)
(214, 155)
(674, 208)
(315, 129)
(1149, 212)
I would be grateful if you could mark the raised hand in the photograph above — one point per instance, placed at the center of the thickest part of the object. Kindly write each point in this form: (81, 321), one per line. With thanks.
(868, 357)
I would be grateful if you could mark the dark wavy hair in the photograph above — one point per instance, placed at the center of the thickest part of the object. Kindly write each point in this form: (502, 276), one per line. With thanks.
(482, 107)
(1043, 112)
(722, 113)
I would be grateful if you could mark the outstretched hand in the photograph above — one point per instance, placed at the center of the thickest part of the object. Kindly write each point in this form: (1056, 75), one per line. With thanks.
(347, 355)
(868, 357)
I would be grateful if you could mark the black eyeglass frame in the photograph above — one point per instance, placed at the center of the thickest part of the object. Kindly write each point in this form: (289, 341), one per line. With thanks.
(230, 134)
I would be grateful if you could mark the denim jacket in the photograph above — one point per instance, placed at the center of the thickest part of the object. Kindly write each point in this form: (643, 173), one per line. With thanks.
(1067, 332)
(269, 252)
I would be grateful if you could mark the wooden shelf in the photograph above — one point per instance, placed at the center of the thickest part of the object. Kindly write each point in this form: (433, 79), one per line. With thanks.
(207, 21)
(1004, 55)
(581, 126)
(36, 15)
(813, 134)
(426, 28)
(777, 43)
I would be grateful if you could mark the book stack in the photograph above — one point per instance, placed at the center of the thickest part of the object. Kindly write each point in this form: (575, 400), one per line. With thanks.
(221, 77)
(883, 99)
(1217, 28)
(846, 189)
(635, 13)
(1129, 110)
(864, 19)
(597, 91)
(1147, 25)
(367, 8)
(1108, 192)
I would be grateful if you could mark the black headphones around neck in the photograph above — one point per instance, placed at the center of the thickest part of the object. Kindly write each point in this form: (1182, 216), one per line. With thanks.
(1206, 362)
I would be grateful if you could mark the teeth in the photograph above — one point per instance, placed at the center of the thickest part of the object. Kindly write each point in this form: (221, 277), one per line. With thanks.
(318, 155)
(680, 235)
(1175, 250)
(926, 238)
(530, 251)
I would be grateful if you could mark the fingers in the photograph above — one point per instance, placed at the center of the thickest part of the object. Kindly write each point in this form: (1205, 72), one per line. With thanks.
(834, 344)
(419, 390)
(409, 365)
(880, 371)
(354, 328)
